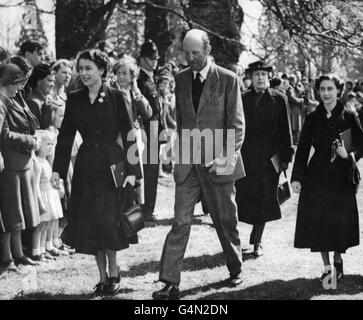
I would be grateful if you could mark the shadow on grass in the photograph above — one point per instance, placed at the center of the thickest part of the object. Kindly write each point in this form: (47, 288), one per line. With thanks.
(297, 289)
(169, 222)
(189, 264)
(60, 296)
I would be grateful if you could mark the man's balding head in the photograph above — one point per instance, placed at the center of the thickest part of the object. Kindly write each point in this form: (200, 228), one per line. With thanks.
(197, 48)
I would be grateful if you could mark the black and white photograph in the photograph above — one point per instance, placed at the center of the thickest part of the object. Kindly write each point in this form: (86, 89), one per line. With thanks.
(195, 150)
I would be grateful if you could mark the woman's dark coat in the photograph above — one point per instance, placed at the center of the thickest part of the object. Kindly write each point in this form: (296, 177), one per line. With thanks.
(327, 217)
(94, 203)
(267, 133)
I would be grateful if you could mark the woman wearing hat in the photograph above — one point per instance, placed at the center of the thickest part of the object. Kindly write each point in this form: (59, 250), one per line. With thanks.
(18, 206)
(99, 114)
(268, 134)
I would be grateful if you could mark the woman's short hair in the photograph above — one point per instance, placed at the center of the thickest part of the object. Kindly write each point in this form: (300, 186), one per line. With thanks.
(22, 63)
(62, 62)
(40, 72)
(99, 57)
(339, 83)
(130, 62)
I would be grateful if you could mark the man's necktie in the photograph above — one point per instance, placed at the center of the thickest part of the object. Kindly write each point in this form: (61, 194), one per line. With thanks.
(197, 88)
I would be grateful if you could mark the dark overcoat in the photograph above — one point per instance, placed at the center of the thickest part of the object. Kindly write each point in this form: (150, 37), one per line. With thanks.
(267, 133)
(327, 217)
(94, 204)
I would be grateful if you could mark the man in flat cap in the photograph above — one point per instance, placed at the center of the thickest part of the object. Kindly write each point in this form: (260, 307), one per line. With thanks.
(208, 100)
(148, 61)
(268, 137)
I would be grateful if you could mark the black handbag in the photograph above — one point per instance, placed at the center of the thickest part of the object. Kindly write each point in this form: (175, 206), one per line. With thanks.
(131, 217)
(283, 191)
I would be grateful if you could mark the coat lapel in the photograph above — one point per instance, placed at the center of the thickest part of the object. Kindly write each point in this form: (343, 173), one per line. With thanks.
(187, 88)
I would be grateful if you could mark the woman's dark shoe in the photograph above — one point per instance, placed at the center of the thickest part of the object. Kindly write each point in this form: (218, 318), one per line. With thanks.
(25, 261)
(339, 270)
(8, 266)
(99, 290)
(48, 256)
(113, 286)
(169, 292)
(54, 252)
(37, 258)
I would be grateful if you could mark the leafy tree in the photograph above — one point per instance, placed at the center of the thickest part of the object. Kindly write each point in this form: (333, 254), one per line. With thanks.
(29, 33)
(222, 17)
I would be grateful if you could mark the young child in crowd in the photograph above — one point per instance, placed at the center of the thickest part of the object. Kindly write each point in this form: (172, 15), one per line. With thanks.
(48, 198)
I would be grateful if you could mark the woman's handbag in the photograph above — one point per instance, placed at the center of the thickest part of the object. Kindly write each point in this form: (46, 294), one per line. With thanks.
(131, 216)
(283, 191)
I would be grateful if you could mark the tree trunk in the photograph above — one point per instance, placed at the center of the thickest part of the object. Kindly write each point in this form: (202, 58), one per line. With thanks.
(157, 29)
(80, 24)
(224, 17)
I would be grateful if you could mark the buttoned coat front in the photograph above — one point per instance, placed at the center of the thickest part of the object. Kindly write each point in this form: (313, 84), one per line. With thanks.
(267, 133)
(95, 204)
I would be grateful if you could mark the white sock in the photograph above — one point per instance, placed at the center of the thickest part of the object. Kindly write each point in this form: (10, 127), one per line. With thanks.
(56, 243)
(49, 245)
(42, 250)
(36, 252)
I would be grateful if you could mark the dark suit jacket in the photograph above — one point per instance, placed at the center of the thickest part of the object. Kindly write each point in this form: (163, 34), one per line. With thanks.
(17, 136)
(149, 90)
(41, 110)
(220, 107)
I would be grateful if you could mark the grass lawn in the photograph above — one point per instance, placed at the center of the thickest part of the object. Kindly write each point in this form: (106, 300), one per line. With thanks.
(282, 273)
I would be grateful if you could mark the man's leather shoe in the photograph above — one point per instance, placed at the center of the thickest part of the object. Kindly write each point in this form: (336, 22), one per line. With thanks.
(169, 292)
(235, 281)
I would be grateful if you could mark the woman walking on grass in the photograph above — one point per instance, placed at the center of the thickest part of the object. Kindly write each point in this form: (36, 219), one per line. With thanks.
(99, 113)
(327, 217)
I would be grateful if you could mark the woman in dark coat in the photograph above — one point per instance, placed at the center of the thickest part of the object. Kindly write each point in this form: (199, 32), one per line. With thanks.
(267, 134)
(327, 217)
(99, 114)
(18, 140)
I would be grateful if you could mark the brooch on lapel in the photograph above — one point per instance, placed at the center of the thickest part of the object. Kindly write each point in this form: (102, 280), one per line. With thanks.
(102, 95)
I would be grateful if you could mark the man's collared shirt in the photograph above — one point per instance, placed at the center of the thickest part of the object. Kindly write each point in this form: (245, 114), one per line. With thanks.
(204, 71)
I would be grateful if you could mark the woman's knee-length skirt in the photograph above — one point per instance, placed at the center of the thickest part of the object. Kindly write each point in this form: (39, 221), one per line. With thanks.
(18, 206)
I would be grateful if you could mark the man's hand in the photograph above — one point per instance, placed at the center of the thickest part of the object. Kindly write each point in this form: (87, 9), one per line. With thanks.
(220, 166)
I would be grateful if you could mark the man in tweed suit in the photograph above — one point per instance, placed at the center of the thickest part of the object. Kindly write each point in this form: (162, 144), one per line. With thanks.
(208, 99)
